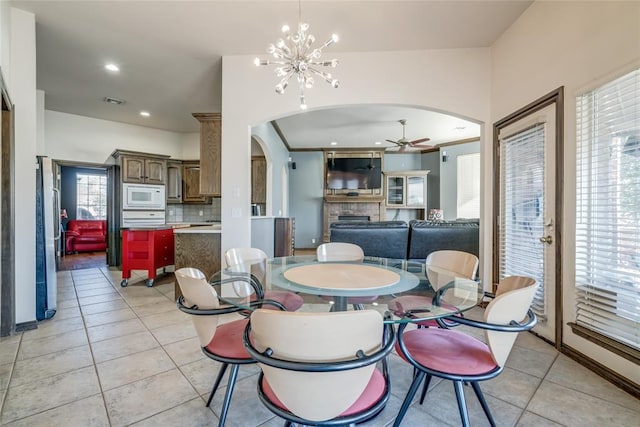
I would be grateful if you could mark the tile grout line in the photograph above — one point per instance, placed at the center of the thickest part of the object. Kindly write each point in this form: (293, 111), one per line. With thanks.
(13, 366)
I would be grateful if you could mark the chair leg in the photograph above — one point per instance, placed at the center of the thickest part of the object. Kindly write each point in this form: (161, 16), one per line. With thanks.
(217, 383)
(483, 403)
(417, 379)
(462, 405)
(425, 388)
(227, 397)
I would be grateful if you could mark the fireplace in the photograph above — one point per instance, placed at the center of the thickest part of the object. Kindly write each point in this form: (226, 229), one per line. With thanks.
(354, 218)
(348, 209)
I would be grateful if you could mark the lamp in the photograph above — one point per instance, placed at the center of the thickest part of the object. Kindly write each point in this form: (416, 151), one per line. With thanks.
(294, 56)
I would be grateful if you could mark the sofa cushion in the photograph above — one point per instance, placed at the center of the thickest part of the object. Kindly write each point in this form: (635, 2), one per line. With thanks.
(387, 239)
(429, 236)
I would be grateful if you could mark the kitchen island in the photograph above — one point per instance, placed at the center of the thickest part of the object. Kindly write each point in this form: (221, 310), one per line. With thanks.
(146, 248)
(198, 247)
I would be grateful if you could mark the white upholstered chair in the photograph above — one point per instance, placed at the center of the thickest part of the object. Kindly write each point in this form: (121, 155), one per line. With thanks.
(320, 368)
(241, 258)
(461, 358)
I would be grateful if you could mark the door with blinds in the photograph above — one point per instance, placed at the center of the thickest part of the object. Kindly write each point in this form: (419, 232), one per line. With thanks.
(526, 241)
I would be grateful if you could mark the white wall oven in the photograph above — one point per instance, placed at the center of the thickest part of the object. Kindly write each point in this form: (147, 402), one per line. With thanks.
(143, 197)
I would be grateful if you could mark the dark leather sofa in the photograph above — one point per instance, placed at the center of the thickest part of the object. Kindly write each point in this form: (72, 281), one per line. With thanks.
(413, 241)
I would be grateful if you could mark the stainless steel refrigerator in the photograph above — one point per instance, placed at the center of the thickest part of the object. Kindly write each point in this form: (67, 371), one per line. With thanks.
(47, 238)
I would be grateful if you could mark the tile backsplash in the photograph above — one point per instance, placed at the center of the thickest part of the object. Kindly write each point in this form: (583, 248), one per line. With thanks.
(191, 213)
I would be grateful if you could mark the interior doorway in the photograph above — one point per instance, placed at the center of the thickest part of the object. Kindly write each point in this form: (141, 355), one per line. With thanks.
(7, 215)
(84, 201)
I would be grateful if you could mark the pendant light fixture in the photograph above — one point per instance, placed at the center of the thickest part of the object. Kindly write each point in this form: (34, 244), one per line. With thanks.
(295, 57)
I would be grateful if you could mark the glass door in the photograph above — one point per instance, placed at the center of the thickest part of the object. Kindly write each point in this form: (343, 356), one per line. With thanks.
(395, 191)
(415, 191)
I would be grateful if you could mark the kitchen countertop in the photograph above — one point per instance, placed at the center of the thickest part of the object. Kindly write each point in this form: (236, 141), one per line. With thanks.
(201, 229)
(148, 227)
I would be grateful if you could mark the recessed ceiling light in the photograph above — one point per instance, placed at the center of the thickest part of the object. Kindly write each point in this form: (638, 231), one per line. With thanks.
(377, 142)
(112, 67)
(334, 143)
(145, 113)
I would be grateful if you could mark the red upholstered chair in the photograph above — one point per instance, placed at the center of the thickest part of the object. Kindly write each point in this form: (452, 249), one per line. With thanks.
(459, 357)
(86, 235)
(319, 369)
(240, 258)
(338, 251)
(220, 342)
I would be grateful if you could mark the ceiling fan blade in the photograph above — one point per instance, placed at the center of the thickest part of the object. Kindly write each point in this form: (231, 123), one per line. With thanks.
(394, 142)
(418, 141)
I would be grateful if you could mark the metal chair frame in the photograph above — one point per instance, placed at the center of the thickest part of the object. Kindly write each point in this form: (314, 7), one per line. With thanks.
(235, 363)
(420, 371)
(360, 360)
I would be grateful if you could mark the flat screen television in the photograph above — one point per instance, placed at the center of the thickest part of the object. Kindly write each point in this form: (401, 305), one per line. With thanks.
(354, 173)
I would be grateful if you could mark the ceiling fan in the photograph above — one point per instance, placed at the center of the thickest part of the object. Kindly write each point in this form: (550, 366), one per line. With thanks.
(404, 142)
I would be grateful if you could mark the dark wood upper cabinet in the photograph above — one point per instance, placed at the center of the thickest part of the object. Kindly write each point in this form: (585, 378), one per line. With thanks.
(191, 172)
(174, 181)
(141, 168)
(210, 153)
(258, 180)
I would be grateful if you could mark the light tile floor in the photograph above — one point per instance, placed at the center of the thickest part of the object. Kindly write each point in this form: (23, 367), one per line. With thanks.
(115, 356)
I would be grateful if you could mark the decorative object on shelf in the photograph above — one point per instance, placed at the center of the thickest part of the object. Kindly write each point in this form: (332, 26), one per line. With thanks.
(404, 142)
(436, 215)
(295, 56)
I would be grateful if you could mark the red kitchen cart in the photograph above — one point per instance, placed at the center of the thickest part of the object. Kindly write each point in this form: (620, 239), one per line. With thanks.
(146, 249)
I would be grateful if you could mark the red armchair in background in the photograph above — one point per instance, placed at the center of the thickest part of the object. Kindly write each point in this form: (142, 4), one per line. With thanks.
(84, 235)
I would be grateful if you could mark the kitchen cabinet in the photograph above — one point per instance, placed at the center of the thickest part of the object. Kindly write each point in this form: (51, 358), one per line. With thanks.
(258, 180)
(142, 168)
(191, 172)
(197, 249)
(174, 181)
(406, 189)
(210, 153)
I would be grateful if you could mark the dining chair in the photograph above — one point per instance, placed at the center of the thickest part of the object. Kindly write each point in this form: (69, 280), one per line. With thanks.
(319, 369)
(461, 358)
(441, 267)
(220, 342)
(242, 257)
(338, 251)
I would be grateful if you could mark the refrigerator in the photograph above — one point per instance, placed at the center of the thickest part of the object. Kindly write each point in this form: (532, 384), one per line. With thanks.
(48, 232)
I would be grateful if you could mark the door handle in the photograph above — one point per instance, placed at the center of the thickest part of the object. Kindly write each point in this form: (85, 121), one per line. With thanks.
(547, 239)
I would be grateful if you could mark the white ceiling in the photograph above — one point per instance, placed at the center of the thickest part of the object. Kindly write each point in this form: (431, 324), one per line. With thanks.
(169, 53)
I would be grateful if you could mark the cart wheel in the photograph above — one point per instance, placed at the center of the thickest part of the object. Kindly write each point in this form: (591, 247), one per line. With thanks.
(149, 283)
(124, 283)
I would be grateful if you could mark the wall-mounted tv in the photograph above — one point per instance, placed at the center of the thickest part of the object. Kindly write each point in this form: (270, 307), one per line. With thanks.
(354, 173)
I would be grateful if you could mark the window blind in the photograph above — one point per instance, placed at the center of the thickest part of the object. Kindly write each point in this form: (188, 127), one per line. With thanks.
(607, 274)
(468, 191)
(522, 172)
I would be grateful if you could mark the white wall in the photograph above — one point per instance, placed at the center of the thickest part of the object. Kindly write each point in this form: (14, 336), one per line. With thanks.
(84, 139)
(5, 41)
(190, 143)
(454, 81)
(570, 44)
(22, 89)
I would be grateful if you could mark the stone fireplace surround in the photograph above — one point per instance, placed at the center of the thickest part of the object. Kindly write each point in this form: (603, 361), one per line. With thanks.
(335, 207)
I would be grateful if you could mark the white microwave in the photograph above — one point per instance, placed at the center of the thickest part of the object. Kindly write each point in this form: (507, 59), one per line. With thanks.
(143, 196)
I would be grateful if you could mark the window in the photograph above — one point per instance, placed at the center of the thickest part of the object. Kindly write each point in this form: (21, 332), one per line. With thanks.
(91, 196)
(468, 186)
(608, 210)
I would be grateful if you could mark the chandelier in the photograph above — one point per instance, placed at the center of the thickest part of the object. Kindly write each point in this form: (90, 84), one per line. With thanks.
(294, 56)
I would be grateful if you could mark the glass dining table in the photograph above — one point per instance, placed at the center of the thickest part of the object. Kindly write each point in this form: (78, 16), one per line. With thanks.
(386, 278)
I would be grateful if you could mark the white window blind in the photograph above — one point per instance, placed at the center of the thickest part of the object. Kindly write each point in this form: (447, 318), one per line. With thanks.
(91, 196)
(608, 210)
(468, 190)
(522, 172)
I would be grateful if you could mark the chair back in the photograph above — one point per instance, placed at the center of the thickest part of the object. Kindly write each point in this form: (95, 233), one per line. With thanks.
(246, 260)
(197, 292)
(338, 251)
(513, 299)
(317, 337)
(456, 263)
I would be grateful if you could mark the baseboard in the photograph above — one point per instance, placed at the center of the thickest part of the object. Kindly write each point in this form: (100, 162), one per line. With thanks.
(600, 369)
(26, 326)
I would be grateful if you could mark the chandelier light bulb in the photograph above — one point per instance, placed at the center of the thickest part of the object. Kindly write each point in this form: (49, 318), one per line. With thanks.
(295, 56)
